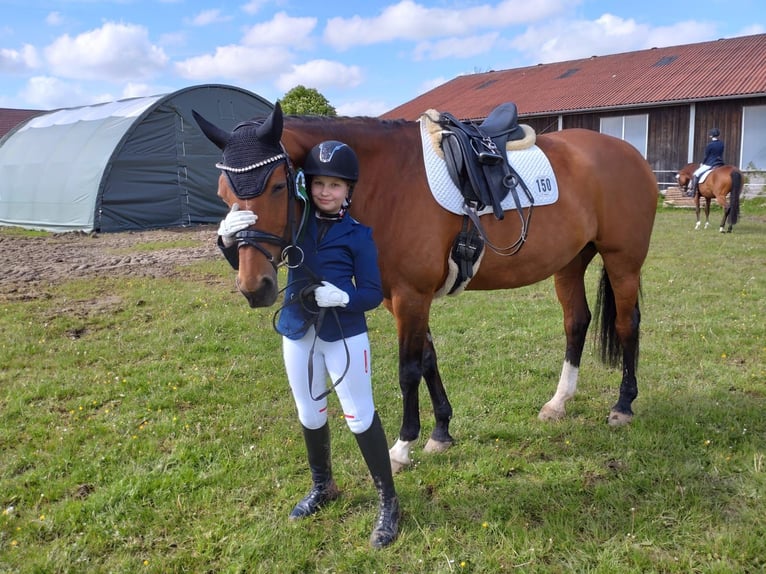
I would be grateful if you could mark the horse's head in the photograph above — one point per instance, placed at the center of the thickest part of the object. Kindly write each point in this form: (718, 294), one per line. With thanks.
(684, 175)
(257, 175)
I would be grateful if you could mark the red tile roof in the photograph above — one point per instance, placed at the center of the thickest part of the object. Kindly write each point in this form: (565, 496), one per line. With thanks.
(10, 118)
(733, 67)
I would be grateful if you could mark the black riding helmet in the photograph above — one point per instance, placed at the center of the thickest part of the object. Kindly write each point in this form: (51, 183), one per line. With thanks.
(714, 133)
(333, 159)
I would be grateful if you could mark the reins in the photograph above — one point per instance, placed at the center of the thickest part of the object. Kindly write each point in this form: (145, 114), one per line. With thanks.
(293, 257)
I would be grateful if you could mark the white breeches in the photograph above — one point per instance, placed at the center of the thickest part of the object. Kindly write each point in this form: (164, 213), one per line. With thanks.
(701, 169)
(355, 390)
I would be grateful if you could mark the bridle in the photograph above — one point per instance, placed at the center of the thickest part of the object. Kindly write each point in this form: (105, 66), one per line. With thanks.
(291, 255)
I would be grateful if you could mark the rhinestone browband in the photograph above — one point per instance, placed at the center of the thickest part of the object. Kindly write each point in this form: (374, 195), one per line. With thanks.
(251, 167)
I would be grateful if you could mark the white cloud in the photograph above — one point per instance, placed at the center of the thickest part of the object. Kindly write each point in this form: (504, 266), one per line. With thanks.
(114, 52)
(320, 74)
(54, 19)
(409, 20)
(254, 6)
(371, 108)
(15, 61)
(562, 40)
(281, 30)
(236, 63)
(134, 90)
(465, 47)
(207, 17)
(46, 93)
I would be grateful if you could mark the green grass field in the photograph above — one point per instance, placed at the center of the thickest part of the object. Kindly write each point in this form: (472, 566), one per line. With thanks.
(146, 426)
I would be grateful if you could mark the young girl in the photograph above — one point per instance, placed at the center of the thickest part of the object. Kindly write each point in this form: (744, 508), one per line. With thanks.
(339, 251)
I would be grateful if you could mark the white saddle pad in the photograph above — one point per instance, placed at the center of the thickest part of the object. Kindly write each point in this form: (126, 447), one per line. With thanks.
(531, 164)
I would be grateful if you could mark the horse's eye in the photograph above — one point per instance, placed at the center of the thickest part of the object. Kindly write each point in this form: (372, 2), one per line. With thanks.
(279, 187)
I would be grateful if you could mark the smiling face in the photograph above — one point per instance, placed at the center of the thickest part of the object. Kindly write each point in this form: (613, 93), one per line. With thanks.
(329, 193)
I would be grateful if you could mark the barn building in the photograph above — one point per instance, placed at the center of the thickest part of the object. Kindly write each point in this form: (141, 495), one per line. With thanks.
(663, 100)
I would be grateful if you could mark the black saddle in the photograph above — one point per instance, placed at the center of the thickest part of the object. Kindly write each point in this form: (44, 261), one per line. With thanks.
(476, 157)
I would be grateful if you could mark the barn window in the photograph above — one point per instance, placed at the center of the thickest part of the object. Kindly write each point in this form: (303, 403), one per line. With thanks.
(633, 129)
(753, 141)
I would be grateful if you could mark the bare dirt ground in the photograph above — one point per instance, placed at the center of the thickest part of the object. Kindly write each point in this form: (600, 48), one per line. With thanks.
(31, 266)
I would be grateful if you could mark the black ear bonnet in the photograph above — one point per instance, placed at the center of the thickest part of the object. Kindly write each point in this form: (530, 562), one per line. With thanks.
(247, 174)
(250, 152)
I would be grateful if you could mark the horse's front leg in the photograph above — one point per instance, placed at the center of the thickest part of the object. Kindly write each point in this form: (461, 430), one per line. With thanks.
(411, 313)
(697, 210)
(707, 213)
(440, 439)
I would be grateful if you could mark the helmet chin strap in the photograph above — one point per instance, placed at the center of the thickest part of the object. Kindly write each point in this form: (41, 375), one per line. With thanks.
(330, 216)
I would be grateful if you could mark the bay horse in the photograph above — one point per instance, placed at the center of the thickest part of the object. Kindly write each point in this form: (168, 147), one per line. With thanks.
(720, 182)
(606, 206)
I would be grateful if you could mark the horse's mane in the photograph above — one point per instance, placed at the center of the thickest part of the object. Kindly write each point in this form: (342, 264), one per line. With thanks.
(345, 128)
(342, 119)
(335, 121)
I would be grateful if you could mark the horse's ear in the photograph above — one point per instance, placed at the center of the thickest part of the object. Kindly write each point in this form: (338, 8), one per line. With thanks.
(215, 134)
(271, 129)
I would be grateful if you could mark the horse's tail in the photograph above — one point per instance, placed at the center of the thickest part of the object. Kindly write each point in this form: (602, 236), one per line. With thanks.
(606, 315)
(736, 190)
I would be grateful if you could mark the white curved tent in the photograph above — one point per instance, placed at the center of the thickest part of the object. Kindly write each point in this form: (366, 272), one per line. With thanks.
(139, 163)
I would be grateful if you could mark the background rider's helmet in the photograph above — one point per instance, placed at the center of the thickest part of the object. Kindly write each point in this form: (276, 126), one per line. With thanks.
(333, 159)
(714, 133)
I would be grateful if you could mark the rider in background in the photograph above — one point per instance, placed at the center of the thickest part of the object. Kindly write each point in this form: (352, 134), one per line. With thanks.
(713, 158)
(339, 251)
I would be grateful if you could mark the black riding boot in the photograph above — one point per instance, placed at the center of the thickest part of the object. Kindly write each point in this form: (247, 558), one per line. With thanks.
(324, 488)
(374, 447)
(692, 187)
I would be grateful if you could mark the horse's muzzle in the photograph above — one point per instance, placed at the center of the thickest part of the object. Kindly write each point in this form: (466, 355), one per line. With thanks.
(264, 295)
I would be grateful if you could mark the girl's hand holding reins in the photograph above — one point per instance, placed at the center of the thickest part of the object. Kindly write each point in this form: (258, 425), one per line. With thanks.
(328, 295)
(234, 222)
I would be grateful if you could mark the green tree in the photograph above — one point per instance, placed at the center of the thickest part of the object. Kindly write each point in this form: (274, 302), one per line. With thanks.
(306, 101)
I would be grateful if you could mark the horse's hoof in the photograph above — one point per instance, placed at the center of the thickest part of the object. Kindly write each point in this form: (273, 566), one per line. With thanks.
(400, 455)
(436, 446)
(548, 413)
(617, 419)
(397, 467)
(697, 226)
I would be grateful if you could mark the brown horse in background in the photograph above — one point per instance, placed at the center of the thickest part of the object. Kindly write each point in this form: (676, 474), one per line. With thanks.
(606, 206)
(719, 183)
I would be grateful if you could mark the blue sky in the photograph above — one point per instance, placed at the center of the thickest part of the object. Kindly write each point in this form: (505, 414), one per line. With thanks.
(366, 57)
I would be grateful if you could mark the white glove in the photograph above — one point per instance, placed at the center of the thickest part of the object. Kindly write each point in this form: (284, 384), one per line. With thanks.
(328, 295)
(234, 222)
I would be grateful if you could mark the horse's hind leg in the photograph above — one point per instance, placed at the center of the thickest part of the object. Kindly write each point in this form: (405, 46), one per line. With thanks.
(726, 211)
(440, 437)
(570, 290)
(621, 319)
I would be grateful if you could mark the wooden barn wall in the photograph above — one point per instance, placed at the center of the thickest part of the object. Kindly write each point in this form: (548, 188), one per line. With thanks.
(586, 121)
(725, 115)
(668, 139)
(542, 124)
(668, 136)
